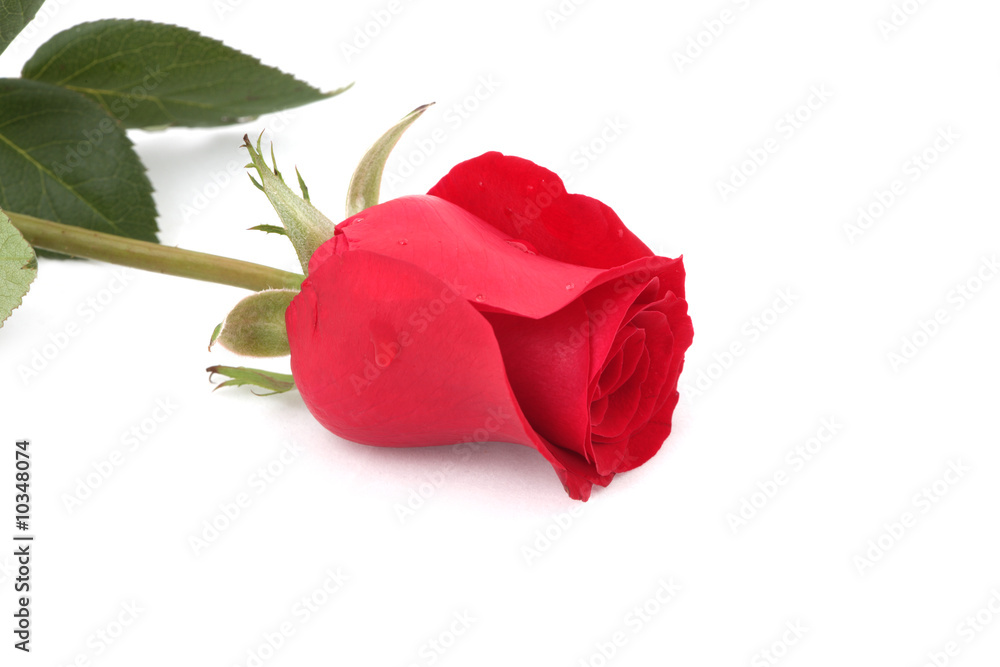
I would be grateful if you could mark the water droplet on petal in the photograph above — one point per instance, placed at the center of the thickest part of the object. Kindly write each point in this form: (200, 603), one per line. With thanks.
(481, 184)
(480, 297)
(402, 241)
(570, 286)
(359, 219)
(621, 233)
(523, 246)
(530, 188)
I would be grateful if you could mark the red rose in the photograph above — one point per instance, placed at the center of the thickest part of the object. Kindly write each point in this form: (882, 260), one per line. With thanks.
(496, 307)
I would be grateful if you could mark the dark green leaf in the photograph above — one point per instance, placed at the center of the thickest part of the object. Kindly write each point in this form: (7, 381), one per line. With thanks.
(14, 15)
(276, 383)
(18, 267)
(154, 75)
(62, 158)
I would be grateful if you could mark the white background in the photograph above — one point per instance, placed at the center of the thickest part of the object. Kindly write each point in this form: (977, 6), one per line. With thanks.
(494, 539)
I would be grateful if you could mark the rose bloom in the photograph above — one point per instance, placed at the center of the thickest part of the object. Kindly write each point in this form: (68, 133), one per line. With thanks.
(497, 307)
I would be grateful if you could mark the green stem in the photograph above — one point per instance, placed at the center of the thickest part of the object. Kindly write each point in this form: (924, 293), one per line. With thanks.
(89, 244)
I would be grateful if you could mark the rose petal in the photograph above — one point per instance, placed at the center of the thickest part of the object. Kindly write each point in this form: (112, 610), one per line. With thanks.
(376, 363)
(457, 247)
(621, 294)
(547, 362)
(646, 441)
(650, 390)
(548, 384)
(597, 410)
(675, 310)
(647, 438)
(529, 202)
(610, 376)
(631, 351)
(625, 400)
(623, 437)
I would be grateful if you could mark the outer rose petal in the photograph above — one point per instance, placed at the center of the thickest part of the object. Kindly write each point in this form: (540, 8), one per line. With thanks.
(547, 363)
(525, 201)
(385, 354)
(452, 244)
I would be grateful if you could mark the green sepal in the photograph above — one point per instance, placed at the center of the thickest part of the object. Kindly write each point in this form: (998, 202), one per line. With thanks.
(366, 182)
(307, 228)
(215, 336)
(275, 383)
(270, 229)
(302, 185)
